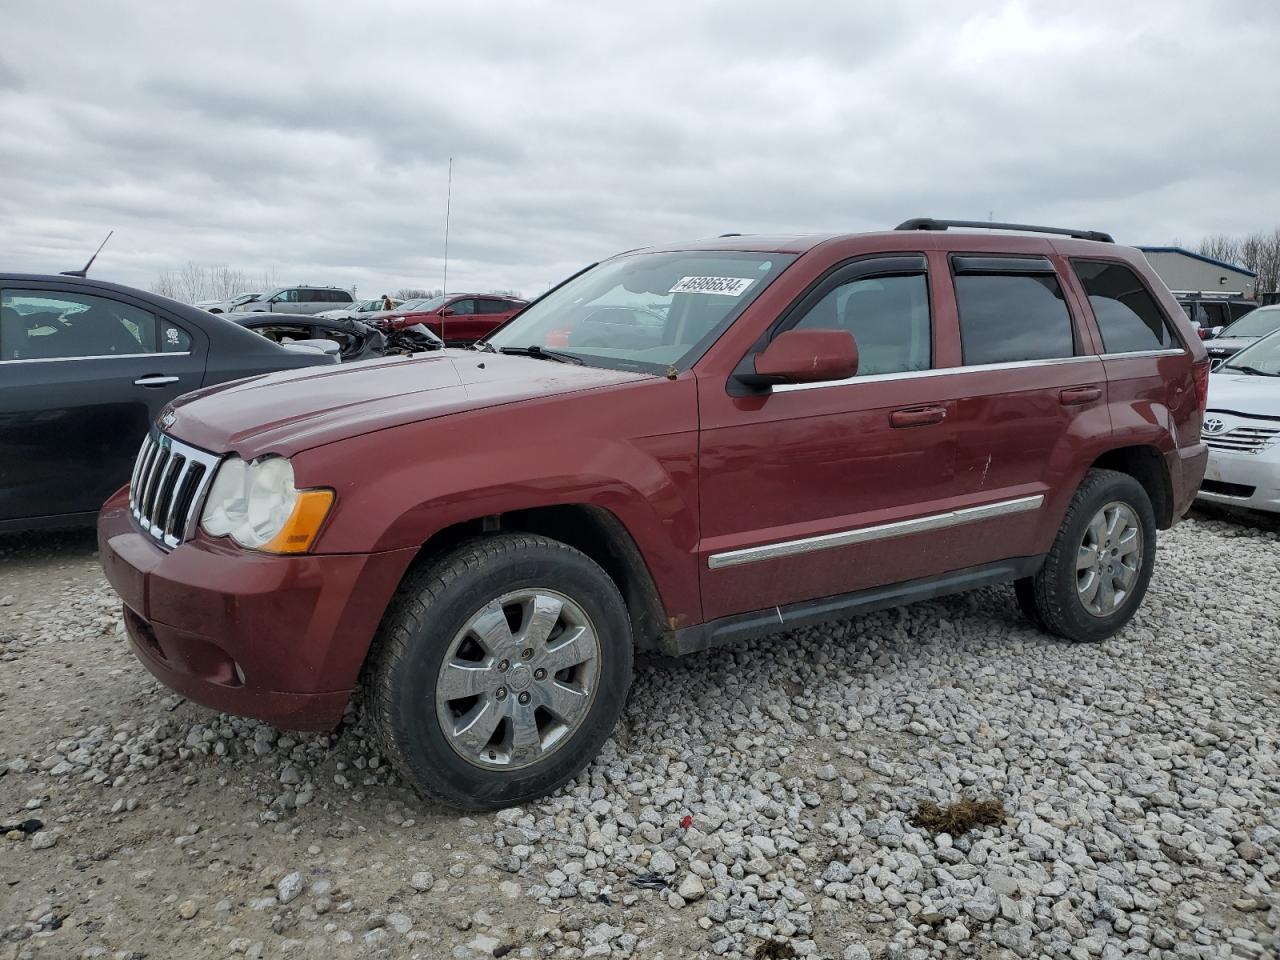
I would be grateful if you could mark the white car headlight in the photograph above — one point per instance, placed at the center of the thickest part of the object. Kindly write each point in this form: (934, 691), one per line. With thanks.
(257, 506)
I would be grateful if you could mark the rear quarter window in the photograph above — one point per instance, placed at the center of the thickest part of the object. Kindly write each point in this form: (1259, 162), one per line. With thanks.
(1128, 316)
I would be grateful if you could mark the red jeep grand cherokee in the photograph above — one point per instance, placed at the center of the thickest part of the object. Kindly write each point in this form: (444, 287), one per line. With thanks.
(677, 448)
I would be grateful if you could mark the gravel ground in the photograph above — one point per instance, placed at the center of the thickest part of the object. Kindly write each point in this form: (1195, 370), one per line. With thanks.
(759, 801)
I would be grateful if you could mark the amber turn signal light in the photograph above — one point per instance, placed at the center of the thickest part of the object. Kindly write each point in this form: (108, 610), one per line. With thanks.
(304, 523)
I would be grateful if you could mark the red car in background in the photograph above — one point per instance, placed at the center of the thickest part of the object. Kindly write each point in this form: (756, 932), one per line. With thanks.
(458, 319)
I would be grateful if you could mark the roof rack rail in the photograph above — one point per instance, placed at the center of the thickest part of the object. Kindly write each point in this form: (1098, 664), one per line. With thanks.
(928, 223)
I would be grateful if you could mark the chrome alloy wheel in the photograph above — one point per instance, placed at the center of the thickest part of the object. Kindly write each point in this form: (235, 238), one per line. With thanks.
(1109, 559)
(518, 679)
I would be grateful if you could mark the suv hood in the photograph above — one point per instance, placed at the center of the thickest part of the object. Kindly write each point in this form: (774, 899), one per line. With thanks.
(1245, 394)
(295, 410)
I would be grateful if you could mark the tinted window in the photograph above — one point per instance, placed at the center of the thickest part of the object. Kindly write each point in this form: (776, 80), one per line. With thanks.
(888, 317)
(1238, 310)
(1010, 317)
(492, 306)
(1127, 314)
(38, 325)
(1213, 314)
(462, 307)
(337, 296)
(173, 339)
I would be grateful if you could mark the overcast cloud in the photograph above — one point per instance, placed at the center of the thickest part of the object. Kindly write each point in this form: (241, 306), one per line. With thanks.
(310, 140)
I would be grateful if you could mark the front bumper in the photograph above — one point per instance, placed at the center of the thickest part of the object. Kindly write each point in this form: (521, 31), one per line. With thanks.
(1250, 480)
(281, 639)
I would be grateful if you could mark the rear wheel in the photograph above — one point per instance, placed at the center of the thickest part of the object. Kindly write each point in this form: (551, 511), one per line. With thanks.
(1098, 569)
(502, 670)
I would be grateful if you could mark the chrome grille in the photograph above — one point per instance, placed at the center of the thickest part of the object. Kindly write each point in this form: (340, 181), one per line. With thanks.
(1243, 439)
(168, 486)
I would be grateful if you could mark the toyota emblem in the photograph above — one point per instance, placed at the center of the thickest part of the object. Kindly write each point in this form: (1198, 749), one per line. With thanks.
(1214, 425)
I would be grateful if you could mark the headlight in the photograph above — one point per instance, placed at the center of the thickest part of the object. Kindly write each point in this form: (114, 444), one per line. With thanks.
(257, 506)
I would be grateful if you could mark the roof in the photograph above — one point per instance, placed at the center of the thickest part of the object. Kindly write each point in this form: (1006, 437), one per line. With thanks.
(1201, 257)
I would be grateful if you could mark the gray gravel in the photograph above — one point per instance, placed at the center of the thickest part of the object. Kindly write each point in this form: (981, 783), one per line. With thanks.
(756, 801)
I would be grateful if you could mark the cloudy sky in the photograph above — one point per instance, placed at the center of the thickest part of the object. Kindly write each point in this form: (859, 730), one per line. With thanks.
(309, 140)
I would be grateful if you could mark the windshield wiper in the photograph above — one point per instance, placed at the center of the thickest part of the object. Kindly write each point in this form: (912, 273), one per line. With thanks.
(541, 353)
(484, 346)
(1253, 370)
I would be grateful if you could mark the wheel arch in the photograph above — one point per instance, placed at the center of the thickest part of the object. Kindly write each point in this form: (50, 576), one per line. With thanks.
(595, 531)
(1147, 465)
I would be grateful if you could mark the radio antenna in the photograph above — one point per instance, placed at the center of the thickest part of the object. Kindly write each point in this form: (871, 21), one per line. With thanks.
(84, 271)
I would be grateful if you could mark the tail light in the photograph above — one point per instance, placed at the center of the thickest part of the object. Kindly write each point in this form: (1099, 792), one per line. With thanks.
(1200, 373)
(1204, 333)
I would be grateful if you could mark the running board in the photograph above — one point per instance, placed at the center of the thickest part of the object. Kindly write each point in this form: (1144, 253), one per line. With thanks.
(759, 623)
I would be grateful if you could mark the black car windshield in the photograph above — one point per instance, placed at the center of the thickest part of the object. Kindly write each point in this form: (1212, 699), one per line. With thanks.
(645, 311)
(1255, 323)
(1261, 358)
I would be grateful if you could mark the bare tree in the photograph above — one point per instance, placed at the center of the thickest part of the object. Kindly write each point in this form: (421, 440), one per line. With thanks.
(417, 293)
(1220, 246)
(193, 282)
(1259, 252)
(505, 293)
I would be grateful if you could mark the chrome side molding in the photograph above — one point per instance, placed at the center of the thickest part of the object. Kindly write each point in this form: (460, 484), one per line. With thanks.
(883, 531)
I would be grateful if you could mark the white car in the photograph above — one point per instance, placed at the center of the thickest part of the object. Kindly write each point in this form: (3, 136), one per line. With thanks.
(1242, 429)
(226, 306)
(360, 311)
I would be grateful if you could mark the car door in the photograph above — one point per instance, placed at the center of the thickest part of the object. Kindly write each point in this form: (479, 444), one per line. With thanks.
(82, 375)
(817, 490)
(490, 314)
(1030, 394)
(286, 301)
(458, 321)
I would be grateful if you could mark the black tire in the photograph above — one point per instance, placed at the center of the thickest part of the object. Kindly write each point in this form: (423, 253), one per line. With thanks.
(430, 608)
(1050, 598)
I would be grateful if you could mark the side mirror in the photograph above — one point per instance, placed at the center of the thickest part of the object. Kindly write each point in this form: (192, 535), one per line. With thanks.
(1215, 364)
(804, 356)
(446, 312)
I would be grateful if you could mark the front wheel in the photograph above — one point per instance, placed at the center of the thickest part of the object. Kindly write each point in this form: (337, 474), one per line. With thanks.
(1098, 569)
(501, 671)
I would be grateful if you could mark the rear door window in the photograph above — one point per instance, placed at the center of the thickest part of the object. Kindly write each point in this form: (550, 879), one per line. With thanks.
(40, 325)
(1128, 316)
(1011, 310)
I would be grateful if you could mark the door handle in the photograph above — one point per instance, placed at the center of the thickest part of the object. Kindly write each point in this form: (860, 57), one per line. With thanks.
(1076, 395)
(154, 380)
(917, 416)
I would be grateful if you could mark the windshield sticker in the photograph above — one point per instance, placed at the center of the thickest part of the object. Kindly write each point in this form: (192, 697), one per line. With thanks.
(720, 286)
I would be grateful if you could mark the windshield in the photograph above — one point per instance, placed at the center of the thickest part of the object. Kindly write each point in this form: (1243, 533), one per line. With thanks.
(434, 303)
(1262, 358)
(1257, 323)
(245, 298)
(649, 311)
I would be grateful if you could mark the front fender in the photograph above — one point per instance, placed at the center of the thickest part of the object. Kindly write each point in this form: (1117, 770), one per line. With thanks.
(632, 453)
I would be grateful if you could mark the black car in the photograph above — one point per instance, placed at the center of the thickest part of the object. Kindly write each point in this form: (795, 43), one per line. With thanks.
(1211, 312)
(85, 366)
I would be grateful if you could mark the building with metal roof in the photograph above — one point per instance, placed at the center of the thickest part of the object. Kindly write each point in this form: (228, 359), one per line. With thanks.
(1184, 270)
